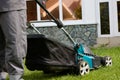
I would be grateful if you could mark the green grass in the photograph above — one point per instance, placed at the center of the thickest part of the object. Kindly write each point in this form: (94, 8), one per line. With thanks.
(103, 73)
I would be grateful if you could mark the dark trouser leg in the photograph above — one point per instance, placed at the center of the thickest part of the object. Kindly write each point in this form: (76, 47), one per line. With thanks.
(14, 28)
(3, 71)
(2, 50)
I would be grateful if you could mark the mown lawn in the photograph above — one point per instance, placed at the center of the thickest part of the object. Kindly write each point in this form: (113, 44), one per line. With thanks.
(103, 73)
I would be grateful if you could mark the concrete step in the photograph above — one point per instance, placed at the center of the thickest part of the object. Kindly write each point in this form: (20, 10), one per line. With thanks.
(108, 41)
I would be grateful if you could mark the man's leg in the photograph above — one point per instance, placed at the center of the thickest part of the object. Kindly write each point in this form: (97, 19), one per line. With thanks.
(3, 73)
(15, 35)
(2, 50)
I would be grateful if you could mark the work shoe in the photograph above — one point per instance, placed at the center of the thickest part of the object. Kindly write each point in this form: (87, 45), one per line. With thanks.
(16, 77)
(3, 75)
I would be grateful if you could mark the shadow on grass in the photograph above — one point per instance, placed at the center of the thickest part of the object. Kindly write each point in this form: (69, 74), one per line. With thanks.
(39, 75)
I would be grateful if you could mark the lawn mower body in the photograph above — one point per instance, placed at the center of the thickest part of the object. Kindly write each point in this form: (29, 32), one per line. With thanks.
(85, 54)
(50, 55)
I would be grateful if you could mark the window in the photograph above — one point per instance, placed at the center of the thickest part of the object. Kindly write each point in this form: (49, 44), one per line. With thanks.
(104, 18)
(71, 9)
(118, 10)
(68, 14)
(67, 9)
(53, 7)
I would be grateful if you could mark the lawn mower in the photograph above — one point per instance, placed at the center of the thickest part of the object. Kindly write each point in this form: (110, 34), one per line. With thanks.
(50, 55)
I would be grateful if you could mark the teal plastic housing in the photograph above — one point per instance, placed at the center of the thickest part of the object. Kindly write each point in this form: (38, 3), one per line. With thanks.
(81, 55)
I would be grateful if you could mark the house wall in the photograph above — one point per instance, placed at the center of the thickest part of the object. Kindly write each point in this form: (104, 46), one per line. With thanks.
(80, 33)
(89, 11)
(83, 31)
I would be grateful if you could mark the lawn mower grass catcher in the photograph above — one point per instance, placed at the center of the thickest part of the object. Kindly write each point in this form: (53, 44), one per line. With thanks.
(49, 55)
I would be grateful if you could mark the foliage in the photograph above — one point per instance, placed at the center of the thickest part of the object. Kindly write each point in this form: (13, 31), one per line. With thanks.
(78, 12)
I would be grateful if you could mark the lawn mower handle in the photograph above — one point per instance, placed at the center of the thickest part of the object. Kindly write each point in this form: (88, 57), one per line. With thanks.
(57, 21)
